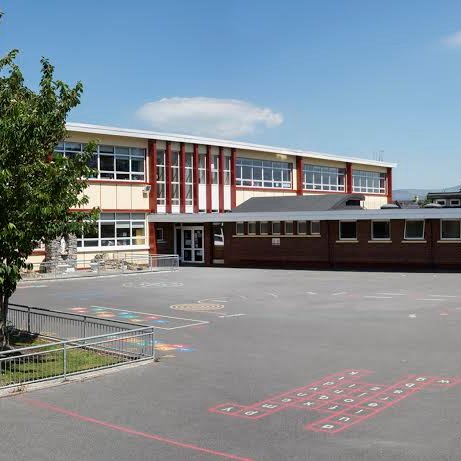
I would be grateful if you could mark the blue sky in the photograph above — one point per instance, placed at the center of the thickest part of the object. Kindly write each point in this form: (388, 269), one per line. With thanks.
(348, 77)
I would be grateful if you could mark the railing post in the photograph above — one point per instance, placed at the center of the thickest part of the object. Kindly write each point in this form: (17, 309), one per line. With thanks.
(28, 319)
(152, 334)
(84, 327)
(65, 360)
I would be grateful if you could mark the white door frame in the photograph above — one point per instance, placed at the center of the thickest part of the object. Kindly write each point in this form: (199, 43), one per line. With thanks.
(192, 248)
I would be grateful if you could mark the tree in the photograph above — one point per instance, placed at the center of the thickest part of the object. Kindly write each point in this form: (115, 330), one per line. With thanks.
(37, 188)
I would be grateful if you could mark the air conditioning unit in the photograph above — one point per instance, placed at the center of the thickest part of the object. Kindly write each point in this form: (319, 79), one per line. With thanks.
(147, 188)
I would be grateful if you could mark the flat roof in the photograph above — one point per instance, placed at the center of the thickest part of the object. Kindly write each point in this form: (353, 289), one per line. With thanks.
(133, 133)
(335, 215)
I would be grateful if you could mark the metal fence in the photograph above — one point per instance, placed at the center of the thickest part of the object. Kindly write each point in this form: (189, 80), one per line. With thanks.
(65, 358)
(62, 325)
(105, 264)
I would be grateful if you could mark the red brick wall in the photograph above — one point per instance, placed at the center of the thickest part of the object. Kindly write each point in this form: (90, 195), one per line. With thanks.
(326, 251)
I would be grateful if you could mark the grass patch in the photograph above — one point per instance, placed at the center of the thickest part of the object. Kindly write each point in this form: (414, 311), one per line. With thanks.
(47, 361)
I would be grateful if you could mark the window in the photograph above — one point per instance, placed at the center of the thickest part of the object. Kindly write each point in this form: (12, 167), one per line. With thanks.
(441, 201)
(276, 227)
(215, 170)
(324, 178)
(160, 177)
(239, 228)
(347, 230)
(368, 181)
(116, 229)
(252, 228)
(302, 227)
(315, 227)
(455, 202)
(111, 162)
(202, 168)
(450, 229)
(227, 168)
(414, 230)
(263, 173)
(175, 174)
(381, 230)
(264, 228)
(189, 178)
(159, 234)
(288, 227)
(218, 234)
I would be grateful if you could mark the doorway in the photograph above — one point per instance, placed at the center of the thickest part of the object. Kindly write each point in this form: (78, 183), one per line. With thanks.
(192, 244)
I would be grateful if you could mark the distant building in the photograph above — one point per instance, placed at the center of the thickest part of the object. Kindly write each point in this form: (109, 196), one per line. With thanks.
(445, 199)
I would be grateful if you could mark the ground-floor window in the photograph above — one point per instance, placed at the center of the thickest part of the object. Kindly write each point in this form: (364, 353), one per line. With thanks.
(315, 227)
(240, 228)
(414, 230)
(450, 229)
(159, 234)
(347, 230)
(380, 230)
(116, 230)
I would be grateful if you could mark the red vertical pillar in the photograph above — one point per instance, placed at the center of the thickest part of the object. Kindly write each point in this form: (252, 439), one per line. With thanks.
(195, 179)
(182, 178)
(168, 185)
(209, 208)
(389, 185)
(152, 239)
(299, 175)
(348, 178)
(221, 179)
(233, 176)
(152, 179)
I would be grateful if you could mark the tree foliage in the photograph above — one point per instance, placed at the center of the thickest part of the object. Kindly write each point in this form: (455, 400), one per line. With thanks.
(37, 188)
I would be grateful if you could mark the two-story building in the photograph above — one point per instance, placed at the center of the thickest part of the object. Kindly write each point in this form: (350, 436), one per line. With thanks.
(143, 174)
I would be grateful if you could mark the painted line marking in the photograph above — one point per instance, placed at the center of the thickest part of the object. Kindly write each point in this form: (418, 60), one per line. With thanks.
(412, 316)
(443, 296)
(311, 293)
(195, 322)
(272, 294)
(378, 297)
(230, 315)
(430, 299)
(212, 300)
(33, 286)
(339, 293)
(391, 294)
(128, 430)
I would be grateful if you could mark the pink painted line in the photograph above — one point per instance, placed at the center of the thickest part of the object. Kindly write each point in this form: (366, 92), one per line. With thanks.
(127, 430)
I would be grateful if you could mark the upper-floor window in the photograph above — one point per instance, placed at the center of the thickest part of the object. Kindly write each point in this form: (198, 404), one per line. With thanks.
(111, 162)
(263, 173)
(368, 182)
(324, 178)
(161, 177)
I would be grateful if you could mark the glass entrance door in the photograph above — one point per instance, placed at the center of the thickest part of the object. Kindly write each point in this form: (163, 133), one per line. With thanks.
(192, 244)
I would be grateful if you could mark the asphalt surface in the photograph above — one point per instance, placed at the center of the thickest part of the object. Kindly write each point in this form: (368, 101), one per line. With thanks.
(376, 355)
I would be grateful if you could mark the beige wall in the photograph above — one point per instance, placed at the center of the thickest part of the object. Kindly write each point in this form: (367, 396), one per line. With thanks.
(374, 201)
(110, 140)
(243, 195)
(117, 196)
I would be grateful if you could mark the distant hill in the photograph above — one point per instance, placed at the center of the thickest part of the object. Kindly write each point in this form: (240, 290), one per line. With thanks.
(409, 194)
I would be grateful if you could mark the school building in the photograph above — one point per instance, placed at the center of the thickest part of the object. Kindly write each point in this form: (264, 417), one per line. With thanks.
(143, 177)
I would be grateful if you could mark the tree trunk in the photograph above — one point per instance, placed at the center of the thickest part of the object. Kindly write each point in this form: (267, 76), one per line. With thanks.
(3, 326)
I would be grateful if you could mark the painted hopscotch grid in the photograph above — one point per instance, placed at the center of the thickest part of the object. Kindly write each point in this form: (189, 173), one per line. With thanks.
(342, 399)
(162, 322)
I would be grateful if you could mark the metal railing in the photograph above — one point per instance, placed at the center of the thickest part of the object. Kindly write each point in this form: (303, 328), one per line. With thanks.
(62, 325)
(61, 359)
(104, 265)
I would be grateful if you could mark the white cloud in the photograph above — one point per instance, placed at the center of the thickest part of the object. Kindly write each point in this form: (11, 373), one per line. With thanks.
(201, 116)
(453, 40)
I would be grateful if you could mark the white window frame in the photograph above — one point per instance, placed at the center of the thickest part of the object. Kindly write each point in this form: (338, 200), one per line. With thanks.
(266, 168)
(255, 229)
(285, 227)
(175, 184)
(189, 178)
(441, 201)
(311, 231)
(372, 230)
(237, 225)
(267, 227)
(347, 239)
(119, 221)
(369, 182)
(280, 227)
(161, 168)
(68, 148)
(453, 200)
(159, 231)
(450, 238)
(414, 238)
(318, 177)
(297, 227)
